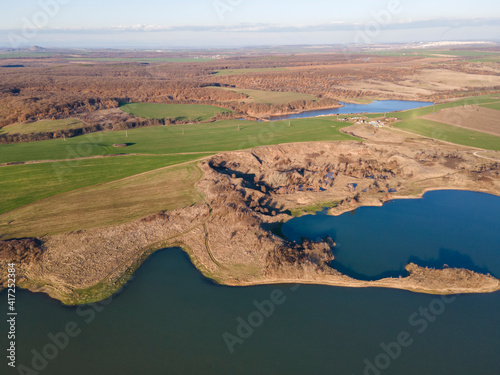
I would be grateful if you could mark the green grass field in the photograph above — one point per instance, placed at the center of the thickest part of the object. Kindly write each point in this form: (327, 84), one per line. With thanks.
(24, 184)
(486, 60)
(179, 112)
(450, 133)
(414, 113)
(104, 205)
(212, 137)
(42, 126)
(245, 71)
(272, 97)
(493, 106)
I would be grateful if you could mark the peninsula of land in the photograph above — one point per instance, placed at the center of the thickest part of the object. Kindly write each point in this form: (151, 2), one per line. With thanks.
(233, 235)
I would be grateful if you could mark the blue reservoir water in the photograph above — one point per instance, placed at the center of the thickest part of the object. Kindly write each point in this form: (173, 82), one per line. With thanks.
(377, 106)
(170, 320)
(454, 228)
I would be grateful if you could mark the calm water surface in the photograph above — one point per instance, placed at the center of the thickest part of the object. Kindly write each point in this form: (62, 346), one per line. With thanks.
(377, 106)
(455, 228)
(171, 320)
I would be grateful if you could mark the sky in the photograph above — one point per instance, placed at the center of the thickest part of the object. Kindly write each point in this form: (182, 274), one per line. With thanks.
(241, 23)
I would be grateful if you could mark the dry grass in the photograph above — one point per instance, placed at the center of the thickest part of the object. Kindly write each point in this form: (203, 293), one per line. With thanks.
(495, 155)
(43, 126)
(469, 117)
(113, 203)
(442, 79)
(426, 82)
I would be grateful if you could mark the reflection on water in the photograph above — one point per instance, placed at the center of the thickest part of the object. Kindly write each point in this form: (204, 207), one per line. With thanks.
(444, 229)
(171, 320)
(452, 259)
(377, 106)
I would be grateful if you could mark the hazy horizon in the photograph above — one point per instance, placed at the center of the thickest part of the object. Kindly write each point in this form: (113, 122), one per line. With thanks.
(242, 23)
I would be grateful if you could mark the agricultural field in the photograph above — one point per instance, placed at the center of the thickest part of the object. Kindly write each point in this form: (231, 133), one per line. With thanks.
(495, 106)
(140, 59)
(112, 203)
(17, 55)
(471, 117)
(436, 53)
(476, 100)
(272, 97)
(486, 60)
(213, 137)
(226, 72)
(469, 121)
(450, 133)
(18, 181)
(42, 126)
(178, 112)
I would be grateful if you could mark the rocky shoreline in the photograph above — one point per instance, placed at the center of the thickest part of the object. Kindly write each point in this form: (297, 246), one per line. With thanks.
(230, 237)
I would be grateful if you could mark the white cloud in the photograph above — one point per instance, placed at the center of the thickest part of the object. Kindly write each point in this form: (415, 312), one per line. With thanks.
(275, 28)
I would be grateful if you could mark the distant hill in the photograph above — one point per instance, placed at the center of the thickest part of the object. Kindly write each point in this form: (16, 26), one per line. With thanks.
(26, 49)
(37, 49)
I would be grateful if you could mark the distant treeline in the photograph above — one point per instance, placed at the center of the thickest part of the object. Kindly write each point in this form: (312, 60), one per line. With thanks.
(110, 125)
(53, 90)
(68, 133)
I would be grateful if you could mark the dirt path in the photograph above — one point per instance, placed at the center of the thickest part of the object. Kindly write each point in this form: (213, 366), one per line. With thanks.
(484, 157)
(165, 242)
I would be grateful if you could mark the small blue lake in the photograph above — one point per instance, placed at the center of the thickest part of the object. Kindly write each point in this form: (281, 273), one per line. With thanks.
(377, 106)
(445, 228)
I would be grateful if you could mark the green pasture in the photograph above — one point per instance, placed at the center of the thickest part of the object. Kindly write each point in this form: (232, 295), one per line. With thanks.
(179, 112)
(218, 136)
(450, 133)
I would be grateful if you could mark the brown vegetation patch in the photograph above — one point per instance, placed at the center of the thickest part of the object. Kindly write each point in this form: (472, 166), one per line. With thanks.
(24, 250)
